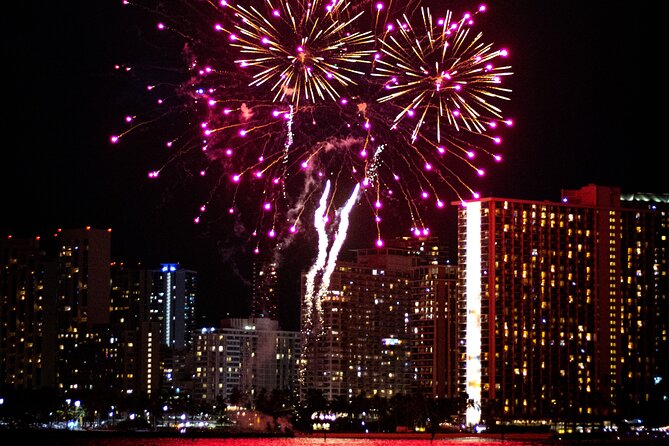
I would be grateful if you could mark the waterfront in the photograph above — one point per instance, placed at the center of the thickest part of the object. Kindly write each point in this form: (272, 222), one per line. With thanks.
(91, 438)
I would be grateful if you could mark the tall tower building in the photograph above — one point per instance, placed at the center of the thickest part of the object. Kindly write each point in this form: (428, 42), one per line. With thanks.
(361, 339)
(172, 303)
(644, 334)
(83, 300)
(130, 291)
(265, 289)
(434, 322)
(84, 276)
(137, 339)
(27, 315)
(554, 299)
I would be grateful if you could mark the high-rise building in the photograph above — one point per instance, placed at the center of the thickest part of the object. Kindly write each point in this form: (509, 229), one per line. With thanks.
(130, 291)
(265, 292)
(82, 308)
(68, 322)
(153, 317)
(382, 327)
(357, 334)
(137, 340)
(172, 303)
(644, 332)
(27, 314)
(434, 357)
(243, 357)
(84, 276)
(55, 313)
(563, 305)
(434, 322)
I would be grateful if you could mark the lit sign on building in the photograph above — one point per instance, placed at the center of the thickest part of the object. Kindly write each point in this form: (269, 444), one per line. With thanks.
(171, 267)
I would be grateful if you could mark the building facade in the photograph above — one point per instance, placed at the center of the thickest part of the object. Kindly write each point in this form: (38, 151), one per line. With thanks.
(152, 317)
(383, 325)
(172, 303)
(72, 320)
(434, 322)
(82, 310)
(264, 299)
(244, 357)
(555, 299)
(27, 315)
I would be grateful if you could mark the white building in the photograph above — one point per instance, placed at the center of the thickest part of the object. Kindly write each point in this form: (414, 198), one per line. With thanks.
(244, 355)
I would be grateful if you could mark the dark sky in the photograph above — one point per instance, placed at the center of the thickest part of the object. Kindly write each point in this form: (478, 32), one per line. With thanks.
(582, 85)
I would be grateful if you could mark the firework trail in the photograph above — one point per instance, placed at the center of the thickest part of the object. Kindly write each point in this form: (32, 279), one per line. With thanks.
(320, 219)
(337, 243)
(322, 269)
(326, 259)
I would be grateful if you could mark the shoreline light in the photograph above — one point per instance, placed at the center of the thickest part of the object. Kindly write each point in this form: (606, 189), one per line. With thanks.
(473, 327)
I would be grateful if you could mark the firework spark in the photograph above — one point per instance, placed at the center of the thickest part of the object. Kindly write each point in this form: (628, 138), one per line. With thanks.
(439, 72)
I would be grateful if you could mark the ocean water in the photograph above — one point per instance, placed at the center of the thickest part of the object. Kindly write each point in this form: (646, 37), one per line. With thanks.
(291, 442)
(57, 439)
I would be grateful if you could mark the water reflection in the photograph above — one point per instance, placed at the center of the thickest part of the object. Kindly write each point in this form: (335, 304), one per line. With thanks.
(301, 441)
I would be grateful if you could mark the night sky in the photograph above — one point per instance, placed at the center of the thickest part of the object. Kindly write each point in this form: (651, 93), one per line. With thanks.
(578, 83)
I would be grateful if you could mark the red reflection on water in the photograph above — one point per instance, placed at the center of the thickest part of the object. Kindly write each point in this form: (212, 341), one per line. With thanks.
(300, 441)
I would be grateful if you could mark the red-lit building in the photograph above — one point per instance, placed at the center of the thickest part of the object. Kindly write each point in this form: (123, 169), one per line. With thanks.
(563, 305)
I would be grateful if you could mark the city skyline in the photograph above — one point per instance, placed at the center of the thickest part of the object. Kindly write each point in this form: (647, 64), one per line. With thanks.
(572, 293)
(569, 103)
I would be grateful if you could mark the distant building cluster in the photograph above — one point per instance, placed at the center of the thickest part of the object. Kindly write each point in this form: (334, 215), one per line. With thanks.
(551, 310)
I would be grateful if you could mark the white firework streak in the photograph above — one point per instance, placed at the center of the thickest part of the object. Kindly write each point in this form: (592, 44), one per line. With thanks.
(372, 172)
(340, 236)
(286, 148)
(319, 223)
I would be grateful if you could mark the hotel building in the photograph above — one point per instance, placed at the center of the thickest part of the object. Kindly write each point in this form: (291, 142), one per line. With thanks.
(138, 340)
(563, 305)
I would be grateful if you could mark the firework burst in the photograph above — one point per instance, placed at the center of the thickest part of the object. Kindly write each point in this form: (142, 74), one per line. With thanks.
(302, 50)
(288, 95)
(441, 82)
(441, 73)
